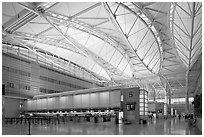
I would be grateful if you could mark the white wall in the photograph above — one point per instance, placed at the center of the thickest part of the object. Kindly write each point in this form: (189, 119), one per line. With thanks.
(89, 100)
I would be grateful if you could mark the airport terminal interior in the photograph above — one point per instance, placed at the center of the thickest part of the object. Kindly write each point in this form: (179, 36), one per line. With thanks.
(101, 68)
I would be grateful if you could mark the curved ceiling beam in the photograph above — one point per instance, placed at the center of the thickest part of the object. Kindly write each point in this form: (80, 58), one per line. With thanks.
(45, 55)
(85, 10)
(163, 32)
(130, 46)
(171, 61)
(119, 45)
(28, 46)
(47, 40)
(25, 16)
(188, 41)
(150, 24)
(76, 24)
(63, 20)
(112, 71)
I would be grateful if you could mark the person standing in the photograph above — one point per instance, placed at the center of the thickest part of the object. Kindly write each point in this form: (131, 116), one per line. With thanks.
(179, 116)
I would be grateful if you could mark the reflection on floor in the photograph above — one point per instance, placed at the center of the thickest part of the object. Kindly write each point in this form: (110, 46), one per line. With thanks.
(171, 126)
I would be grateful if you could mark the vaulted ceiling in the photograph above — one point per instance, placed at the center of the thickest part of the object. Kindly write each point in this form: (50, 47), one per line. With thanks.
(154, 45)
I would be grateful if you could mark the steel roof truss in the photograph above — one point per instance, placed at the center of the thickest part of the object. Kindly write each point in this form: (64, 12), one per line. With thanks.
(197, 51)
(86, 10)
(165, 66)
(199, 40)
(132, 26)
(155, 63)
(148, 50)
(44, 31)
(183, 9)
(196, 31)
(186, 33)
(156, 10)
(191, 36)
(49, 41)
(86, 52)
(12, 22)
(113, 19)
(142, 40)
(103, 22)
(152, 57)
(189, 7)
(167, 50)
(168, 69)
(145, 4)
(171, 60)
(182, 24)
(88, 29)
(34, 51)
(197, 10)
(183, 44)
(184, 61)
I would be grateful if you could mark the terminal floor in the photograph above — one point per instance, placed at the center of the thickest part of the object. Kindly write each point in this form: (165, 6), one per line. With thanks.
(171, 126)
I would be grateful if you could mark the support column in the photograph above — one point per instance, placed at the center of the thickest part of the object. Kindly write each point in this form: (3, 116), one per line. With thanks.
(168, 97)
(165, 104)
(169, 94)
(154, 94)
(187, 92)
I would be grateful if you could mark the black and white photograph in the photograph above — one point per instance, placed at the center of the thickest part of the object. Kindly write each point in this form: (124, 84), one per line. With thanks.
(101, 68)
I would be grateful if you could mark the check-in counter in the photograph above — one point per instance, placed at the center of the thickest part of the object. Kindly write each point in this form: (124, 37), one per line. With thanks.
(92, 119)
(82, 119)
(70, 118)
(87, 119)
(76, 119)
(104, 119)
(100, 119)
(112, 119)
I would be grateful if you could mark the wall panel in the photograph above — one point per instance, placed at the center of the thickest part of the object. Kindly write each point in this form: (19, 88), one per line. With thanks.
(77, 101)
(85, 99)
(25, 105)
(62, 102)
(34, 104)
(104, 99)
(44, 103)
(29, 102)
(50, 103)
(115, 99)
(56, 103)
(94, 100)
(69, 103)
(39, 102)
(89, 100)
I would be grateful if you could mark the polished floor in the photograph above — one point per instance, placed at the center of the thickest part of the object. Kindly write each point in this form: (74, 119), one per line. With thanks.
(171, 126)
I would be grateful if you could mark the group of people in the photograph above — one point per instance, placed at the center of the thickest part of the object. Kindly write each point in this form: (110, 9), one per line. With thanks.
(191, 119)
(151, 116)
